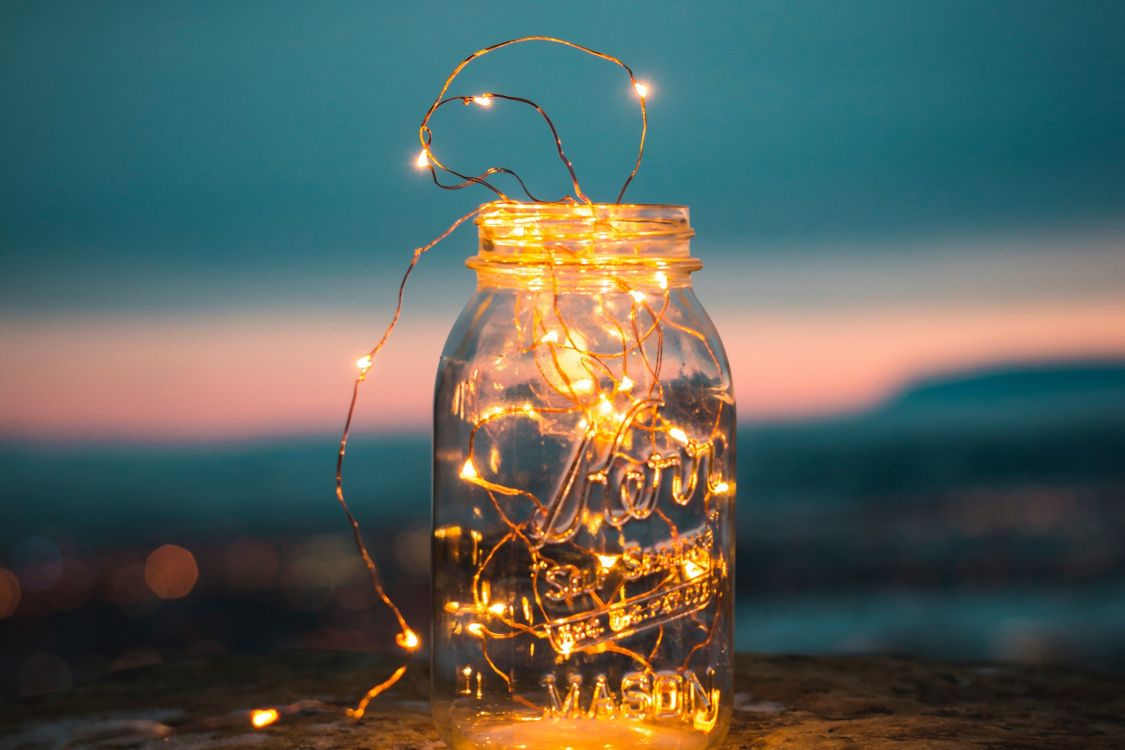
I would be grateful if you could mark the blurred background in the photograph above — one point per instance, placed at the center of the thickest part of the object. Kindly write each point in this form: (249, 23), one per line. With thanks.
(912, 220)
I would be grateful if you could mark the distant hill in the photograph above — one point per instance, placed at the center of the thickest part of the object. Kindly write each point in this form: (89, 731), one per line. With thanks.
(1090, 379)
(1050, 424)
(1036, 424)
(1041, 391)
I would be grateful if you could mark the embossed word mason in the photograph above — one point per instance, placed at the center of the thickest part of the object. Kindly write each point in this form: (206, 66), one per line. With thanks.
(662, 695)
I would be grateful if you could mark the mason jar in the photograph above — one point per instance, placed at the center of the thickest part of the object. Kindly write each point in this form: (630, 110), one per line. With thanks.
(583, 540)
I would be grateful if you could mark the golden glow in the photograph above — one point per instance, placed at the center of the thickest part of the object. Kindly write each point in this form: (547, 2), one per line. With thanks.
(605, 408)
(572, 374)
(608, 561)
(693, 570)
(408, 640)
(263, 717)
(721, 488)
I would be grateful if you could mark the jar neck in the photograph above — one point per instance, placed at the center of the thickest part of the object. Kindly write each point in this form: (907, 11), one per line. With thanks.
(598, 247)
(541, 276)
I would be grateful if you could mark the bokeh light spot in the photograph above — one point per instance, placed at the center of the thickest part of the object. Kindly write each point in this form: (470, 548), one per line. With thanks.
(171, 572)
(38, 563)
(263, 717)
(9, 593)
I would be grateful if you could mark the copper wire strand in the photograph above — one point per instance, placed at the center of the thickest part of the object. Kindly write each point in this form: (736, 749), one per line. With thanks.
(374, 692)
(368, 561)
(656, 647)
(468, 181)
(644, 416)
(425, 135)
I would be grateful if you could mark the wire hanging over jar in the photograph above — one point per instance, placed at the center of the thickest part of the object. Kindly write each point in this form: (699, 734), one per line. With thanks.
(583, 543)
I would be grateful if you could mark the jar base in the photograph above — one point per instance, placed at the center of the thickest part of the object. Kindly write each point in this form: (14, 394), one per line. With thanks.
(542, 733)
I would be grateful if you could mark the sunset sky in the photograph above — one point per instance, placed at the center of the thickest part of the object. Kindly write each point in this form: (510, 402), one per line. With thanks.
(205, 209)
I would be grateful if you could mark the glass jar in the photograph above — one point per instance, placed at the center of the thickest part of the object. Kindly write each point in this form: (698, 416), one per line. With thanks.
(583, 549)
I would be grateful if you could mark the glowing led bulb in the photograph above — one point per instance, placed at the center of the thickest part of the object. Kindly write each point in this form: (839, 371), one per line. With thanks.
(423, 160)
(583, 386)
(408, 640)
(607, 561)
(468, 471)
(497, 609)
(364, 362)
(678, 435)
(642, 89)
(662, 279)
(550, 337)
(263, 717)
(484, 100)
(721, 488)
(637, 296)
(626, 383)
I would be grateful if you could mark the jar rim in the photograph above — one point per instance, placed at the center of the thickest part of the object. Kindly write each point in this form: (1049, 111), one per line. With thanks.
(517, 221)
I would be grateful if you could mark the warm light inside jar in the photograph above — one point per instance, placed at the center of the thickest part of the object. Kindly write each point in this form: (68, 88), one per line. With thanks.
(583, 509)
(562, 234)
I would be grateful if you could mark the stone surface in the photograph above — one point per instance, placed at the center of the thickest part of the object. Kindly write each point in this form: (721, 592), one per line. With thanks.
(780, 702)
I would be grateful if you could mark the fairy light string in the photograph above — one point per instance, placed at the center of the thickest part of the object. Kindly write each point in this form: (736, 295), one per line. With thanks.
(427, 159)
(598, 386)
(407, 638)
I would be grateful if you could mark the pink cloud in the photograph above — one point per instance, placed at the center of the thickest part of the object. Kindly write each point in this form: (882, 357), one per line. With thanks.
(793, 365)
(255, 373)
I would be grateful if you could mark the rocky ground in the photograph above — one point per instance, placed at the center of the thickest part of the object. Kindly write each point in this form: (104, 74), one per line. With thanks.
(868, 702)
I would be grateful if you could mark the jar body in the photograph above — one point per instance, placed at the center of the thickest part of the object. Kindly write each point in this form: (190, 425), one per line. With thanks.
(583, 547)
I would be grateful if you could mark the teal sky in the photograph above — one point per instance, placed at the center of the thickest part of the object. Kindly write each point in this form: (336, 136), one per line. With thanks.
(880, 190)
(174, 156)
